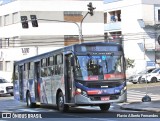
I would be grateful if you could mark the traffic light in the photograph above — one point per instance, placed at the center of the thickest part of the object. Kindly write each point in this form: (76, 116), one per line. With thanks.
(24, 22)
(34, 20)
(90, 8)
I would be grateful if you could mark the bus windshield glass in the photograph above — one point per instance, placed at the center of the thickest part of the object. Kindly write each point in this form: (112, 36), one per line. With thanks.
(99, 67)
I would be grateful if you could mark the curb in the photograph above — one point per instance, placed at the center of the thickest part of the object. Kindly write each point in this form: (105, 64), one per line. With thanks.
(155, 110)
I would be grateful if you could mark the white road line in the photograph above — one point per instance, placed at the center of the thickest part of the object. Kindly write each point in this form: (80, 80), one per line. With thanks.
(28, 110)
(133, 95)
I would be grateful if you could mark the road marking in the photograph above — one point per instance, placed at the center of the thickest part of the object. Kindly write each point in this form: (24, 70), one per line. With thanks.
(27, 110)
(136, 96)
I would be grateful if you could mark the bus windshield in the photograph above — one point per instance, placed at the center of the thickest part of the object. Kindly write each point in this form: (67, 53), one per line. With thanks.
(99, 67)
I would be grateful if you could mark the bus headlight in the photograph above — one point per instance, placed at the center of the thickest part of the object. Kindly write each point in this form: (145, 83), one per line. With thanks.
(78, 91)
(123, 90)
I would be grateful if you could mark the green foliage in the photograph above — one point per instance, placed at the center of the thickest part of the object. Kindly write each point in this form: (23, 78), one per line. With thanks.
(129, 63)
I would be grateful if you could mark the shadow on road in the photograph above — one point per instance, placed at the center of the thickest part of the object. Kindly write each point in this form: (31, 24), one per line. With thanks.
(5, 95)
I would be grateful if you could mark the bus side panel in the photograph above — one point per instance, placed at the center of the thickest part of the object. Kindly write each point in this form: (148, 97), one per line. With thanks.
(49, 87)
(25, 88)
(57, 83)
(45, 90)
(16, 90)
(31, 87)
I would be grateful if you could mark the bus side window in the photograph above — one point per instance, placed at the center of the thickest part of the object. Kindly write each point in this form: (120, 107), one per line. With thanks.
(59, 64)
(24, 71)
(30, 70)
(15, 73)
(43, 72)
(44, 68)
(50, 66)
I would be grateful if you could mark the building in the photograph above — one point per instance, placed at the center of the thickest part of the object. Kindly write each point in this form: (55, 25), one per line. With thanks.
(136, 23)
(52, 32)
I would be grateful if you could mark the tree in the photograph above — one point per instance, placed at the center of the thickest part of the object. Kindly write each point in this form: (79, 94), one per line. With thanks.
(129, 63)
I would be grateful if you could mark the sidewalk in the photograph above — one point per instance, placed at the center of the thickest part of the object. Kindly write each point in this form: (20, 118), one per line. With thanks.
(153, 106)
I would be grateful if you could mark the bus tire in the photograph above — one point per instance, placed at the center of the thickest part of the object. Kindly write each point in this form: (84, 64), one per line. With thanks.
(29, 102)
(60, 103)
(104, 107)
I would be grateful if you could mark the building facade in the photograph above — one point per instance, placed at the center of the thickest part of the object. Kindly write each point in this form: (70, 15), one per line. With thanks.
(58, 26)
(136, 23)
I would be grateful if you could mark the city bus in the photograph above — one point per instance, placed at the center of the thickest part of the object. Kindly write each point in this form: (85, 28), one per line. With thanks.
(87, 74)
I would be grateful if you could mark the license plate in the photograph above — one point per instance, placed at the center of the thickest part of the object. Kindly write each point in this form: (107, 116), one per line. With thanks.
(105, 98)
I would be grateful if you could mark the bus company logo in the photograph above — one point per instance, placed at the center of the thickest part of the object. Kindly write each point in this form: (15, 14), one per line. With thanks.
(6, 115)
(100, 91)
(25, 51)
(116, 90)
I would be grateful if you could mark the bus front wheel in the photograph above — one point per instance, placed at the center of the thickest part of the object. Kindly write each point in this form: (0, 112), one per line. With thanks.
(60, 103)
(29, 102)
(104, 107)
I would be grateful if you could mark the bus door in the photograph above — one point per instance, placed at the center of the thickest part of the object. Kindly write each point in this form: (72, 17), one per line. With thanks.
(21, 82)
(68, 79)
(37, 80)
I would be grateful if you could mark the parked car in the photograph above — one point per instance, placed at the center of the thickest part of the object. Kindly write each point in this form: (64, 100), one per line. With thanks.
(137, 77)
(151, 77)
(6, 87)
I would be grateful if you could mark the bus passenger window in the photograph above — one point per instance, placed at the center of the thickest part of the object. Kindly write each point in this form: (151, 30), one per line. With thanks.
(50, 71)
(59, 59)
(44, 62)
(51, 61)
(43, 72)
(15, 76)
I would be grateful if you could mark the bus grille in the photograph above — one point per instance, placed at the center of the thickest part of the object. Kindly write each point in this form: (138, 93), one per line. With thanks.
(98, 98)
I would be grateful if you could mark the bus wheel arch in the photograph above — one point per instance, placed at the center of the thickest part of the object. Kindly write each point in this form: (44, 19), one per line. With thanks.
(60, 102)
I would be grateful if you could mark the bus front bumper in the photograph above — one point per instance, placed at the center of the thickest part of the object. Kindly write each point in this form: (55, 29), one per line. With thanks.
(84, 100)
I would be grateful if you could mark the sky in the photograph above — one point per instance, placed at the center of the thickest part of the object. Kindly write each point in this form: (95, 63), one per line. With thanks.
(7, 1)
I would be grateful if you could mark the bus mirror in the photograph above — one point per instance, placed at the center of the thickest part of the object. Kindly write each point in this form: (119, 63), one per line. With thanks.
(72, 61)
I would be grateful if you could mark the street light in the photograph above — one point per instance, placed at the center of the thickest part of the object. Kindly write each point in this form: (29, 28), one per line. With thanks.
(90, 8)
(79, 29)
(146, 98)
(34, 21)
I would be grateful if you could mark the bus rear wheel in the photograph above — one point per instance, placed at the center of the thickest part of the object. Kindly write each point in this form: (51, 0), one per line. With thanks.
(60, 103)
(29, 102)
(104, 107)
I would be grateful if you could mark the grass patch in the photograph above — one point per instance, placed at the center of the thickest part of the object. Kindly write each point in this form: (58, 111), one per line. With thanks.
(130, 86)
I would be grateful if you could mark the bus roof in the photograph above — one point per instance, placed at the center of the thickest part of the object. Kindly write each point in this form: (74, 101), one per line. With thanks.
(38, 57)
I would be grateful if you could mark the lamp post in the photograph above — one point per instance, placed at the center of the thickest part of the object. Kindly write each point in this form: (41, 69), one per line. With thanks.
(146, 98)
(34, 21)
(79, 28)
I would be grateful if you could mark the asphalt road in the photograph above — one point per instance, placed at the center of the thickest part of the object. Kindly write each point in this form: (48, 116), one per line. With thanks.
(153, 89)
(48, 113)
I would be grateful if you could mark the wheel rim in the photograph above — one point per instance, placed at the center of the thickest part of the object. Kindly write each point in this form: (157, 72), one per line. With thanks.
(154, 79)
